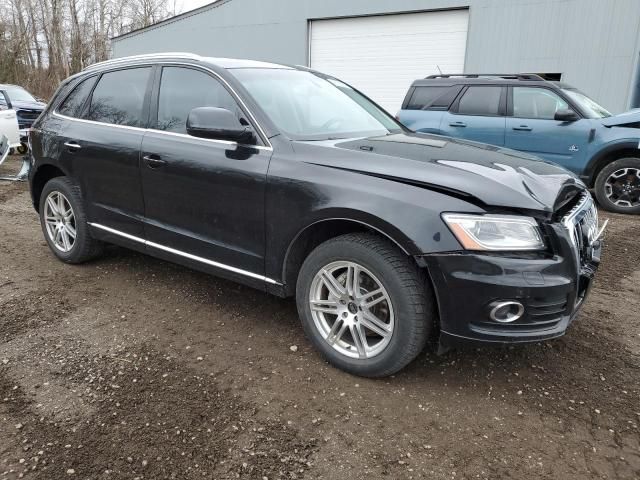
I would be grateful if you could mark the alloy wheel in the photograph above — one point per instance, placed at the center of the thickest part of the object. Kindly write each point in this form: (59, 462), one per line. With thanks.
(60, 221)
(351, 309)
(622, 187)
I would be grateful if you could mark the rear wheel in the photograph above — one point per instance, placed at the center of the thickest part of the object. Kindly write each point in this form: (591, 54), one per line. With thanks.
(364, 304)
(64, 222)
(617, 186)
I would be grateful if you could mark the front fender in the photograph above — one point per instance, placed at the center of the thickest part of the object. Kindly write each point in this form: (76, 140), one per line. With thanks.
(609, 149)
(301, 194)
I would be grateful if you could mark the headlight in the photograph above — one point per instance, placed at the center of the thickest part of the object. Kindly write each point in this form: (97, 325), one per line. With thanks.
(495, 232)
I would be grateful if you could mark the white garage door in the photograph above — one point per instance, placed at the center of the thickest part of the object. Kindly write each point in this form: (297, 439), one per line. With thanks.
(382, 55)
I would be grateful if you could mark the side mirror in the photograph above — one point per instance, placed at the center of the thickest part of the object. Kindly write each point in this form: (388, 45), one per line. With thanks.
(5, 103)
(566, 115)
(218, 124)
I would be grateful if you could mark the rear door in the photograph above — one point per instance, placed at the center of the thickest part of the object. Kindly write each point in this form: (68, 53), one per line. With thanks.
(531, 127)
(424, 106)
(478, 114)
(102, 148)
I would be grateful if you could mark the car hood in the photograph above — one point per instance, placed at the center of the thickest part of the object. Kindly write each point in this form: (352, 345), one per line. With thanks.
(632, 116)
(493, 176)
(28, 105)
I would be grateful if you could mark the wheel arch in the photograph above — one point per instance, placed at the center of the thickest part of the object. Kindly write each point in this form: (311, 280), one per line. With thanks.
(321, 230)
(607, 155)
(43, 174)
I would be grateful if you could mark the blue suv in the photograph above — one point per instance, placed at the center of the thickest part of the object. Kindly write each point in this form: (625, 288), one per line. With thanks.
(547, 119)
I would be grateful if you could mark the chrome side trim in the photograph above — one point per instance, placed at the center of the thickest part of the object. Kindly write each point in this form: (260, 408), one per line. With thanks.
(225, 143)
(221, 142)
(93, 122)
(180, 253)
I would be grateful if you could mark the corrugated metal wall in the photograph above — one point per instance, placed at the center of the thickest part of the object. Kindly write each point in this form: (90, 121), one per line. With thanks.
(594, 43)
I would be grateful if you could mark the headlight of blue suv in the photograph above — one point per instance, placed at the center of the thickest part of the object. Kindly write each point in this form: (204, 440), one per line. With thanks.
(495, 232)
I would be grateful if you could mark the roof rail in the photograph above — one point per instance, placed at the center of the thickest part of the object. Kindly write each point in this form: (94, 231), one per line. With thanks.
(148, 56)
(506, 76)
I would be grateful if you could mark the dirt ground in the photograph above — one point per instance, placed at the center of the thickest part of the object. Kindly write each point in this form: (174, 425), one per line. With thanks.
(133, 368)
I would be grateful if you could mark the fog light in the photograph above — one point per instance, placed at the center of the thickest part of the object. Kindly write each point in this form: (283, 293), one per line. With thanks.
(506, 312)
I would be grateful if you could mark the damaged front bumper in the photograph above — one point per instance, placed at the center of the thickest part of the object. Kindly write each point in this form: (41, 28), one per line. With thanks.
(549, 288)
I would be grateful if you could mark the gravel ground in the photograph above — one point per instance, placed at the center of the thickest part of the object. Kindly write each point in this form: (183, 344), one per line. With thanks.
(130, 367)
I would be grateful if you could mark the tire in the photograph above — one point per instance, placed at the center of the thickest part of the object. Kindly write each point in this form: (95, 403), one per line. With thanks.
(407, 308)
(625, 168)
(84, 247)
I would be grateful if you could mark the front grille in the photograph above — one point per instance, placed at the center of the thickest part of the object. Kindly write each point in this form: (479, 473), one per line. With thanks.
(27, 117)
(582, 225)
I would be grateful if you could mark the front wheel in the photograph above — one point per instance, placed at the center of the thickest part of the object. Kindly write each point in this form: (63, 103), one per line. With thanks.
(617, 186)
(364, 304)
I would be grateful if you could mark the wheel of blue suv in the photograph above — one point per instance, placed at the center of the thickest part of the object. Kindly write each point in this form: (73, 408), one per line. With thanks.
(364, 304)
(617, 186)
(64, 223)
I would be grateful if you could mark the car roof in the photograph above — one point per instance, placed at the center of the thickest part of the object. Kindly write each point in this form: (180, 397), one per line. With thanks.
(226, 63)
(485, 79)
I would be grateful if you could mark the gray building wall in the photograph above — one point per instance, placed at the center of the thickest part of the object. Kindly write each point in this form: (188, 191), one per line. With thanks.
(595, 44)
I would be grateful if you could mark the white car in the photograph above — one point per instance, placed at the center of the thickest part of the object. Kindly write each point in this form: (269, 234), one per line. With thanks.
(10, 138)
(9, 122)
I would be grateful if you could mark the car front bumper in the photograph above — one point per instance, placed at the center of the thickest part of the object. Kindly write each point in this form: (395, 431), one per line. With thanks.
(551, 287)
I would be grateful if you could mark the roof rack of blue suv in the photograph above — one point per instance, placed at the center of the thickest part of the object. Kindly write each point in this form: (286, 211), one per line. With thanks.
(510, 76)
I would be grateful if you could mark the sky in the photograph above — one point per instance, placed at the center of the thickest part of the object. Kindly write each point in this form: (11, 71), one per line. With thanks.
(186, 5)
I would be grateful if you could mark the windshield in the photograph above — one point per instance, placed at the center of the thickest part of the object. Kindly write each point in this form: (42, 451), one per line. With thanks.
(305, 106)
(19, 94)
(590, 107)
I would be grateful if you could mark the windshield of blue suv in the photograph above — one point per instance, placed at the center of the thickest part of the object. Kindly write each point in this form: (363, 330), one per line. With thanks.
(305, 106)
(588, 105)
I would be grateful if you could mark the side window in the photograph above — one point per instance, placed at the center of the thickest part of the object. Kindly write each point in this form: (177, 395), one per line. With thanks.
(72, 105)
(480, 101)
(119, 97)
(182, 90)
(424, 96)
(433, 98)
(538, 103)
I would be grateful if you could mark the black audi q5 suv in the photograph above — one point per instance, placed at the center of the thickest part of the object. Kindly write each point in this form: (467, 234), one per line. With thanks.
(294, 182)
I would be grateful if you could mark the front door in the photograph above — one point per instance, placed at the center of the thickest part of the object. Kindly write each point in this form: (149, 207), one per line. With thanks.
(532, 128)
(478, 115)
(204, 199)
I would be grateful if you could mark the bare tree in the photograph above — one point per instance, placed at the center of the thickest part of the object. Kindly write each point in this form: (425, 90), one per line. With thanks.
(44, 41)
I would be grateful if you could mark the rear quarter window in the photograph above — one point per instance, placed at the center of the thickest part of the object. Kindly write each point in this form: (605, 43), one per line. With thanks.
(436, 97)
(72, 105)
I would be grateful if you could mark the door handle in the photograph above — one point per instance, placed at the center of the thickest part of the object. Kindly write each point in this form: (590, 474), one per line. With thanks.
(72, 145)
(154, 161)
(523, 128)
(457, 124)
